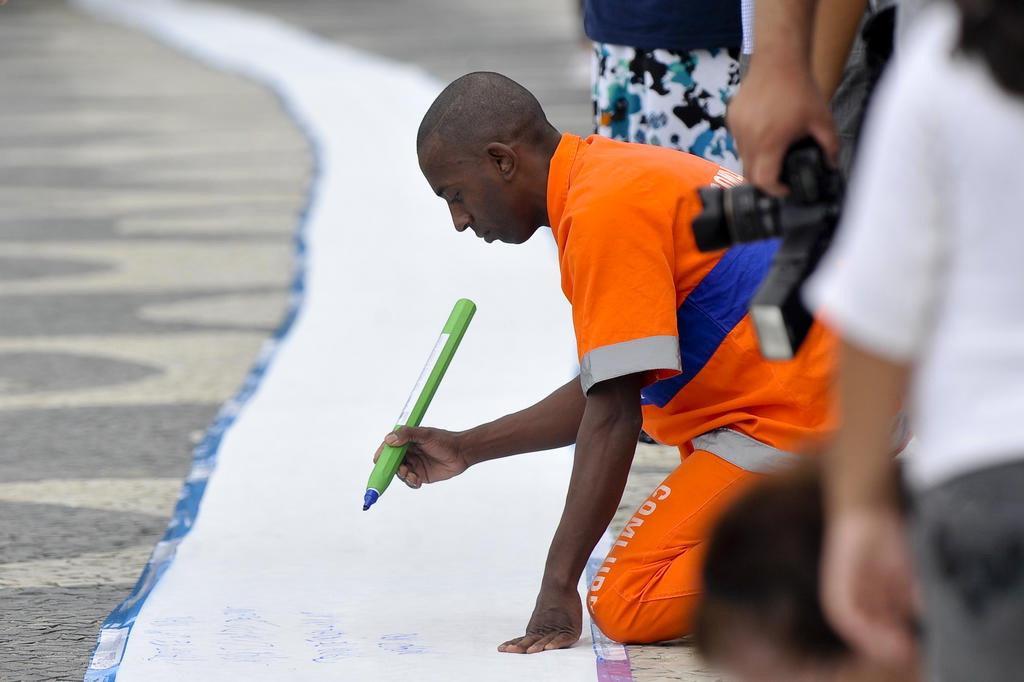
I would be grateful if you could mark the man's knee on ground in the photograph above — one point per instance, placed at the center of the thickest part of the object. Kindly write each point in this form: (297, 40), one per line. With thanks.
(615, 621)
(631, 621)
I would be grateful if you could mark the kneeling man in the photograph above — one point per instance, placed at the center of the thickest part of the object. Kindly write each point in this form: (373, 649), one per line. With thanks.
(664, 342)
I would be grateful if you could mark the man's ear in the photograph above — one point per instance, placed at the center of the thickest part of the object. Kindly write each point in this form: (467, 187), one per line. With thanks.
(503, 158)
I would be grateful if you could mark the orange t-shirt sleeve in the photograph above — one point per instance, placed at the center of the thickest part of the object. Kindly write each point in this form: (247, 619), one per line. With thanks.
(623, 294)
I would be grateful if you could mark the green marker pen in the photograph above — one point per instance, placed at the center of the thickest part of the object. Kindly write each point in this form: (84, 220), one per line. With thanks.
(419, 400)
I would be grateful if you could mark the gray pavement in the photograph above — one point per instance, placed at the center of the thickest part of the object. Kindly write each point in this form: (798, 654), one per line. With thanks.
(144, 254)
(145, 249)
(539, 43)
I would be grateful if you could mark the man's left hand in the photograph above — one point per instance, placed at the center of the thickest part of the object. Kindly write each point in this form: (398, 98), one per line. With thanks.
(556, 624)
(867, 587)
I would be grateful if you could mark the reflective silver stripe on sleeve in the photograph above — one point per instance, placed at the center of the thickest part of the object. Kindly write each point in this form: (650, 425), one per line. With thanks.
(629, 357)
(744, 452)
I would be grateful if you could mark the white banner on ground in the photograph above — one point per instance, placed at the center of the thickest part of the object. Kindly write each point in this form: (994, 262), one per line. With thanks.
(281, 575)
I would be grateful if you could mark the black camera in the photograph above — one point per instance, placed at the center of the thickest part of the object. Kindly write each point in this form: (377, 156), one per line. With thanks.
(805, 221)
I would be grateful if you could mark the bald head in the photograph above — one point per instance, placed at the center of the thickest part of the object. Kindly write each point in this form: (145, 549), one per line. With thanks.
(485, 148)
(480, 108)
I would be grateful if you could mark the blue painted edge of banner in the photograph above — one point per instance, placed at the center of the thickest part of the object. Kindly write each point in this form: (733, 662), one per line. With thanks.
(612, 658)
(116, 628)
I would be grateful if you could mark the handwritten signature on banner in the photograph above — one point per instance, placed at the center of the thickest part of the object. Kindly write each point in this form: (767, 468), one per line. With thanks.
(245, 636)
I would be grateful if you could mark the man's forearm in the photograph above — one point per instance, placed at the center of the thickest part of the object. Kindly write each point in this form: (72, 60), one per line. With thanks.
(604, 451)
(835, 28)
(858, 471)
(782, 30)
(551, 423)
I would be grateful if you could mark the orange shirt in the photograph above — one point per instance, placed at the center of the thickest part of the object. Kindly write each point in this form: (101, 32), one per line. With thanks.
(644, 299)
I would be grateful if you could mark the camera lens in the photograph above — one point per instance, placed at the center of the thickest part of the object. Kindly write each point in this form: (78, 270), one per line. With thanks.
(750, 214)
(709, 228)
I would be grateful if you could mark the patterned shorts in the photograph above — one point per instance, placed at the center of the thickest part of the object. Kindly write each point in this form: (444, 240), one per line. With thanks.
(667, 98)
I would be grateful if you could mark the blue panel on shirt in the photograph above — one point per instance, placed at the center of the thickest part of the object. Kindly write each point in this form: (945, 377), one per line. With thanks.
(711, 311)
(664, 24)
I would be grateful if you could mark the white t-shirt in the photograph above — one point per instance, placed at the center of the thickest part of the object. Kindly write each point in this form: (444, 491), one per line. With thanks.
(928, 266)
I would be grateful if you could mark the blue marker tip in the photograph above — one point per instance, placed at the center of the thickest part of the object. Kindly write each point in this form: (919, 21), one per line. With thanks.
(370, 497)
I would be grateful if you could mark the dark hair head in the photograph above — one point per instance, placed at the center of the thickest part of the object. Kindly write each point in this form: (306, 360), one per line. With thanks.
(761, 571)
(994, 31)
(480, 108)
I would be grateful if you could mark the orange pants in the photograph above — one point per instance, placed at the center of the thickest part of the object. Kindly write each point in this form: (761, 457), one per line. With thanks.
(647, 588)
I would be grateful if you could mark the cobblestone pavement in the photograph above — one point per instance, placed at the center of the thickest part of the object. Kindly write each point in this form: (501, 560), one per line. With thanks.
(144, 252)
(145, 248)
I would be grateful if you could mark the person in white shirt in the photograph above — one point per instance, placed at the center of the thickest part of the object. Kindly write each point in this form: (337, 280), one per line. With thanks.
(925, 285)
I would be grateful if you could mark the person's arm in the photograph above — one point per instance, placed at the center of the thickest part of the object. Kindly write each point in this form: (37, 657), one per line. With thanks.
(551, 423)
(778, 101)
(867, 587)
(782, 29)
(835, 28)
(880, 287)
(437, 454)
(624, 309)
(605, 447)
(859, 471)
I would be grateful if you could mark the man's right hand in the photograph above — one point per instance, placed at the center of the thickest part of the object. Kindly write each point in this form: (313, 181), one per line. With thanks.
(433, 455)
(777, 104)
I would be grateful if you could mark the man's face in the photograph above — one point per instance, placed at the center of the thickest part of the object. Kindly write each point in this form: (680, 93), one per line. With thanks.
(484, 192)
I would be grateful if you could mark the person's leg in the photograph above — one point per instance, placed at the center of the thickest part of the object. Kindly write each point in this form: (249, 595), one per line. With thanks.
(616, 95)
(647, 588)
(687, 93)
(968, 537)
